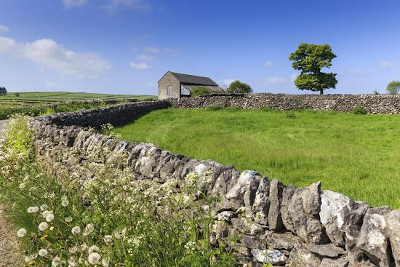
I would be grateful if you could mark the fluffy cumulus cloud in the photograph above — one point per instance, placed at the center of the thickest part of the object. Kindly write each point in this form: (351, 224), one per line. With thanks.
(4, 28)
(74, 3)
(49, 54)
(113, 5)
(140, 66)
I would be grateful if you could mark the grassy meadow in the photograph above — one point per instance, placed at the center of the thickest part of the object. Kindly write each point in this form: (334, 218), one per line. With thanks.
(356, 155)
(36, 103)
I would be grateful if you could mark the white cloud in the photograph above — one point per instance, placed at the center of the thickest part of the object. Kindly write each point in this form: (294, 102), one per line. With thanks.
(73, 3)
(293, 77)
(140, 66)
(385, 64)
(145, 57)
(48, 54)
(113, 5)
(275, 80)
(151, 50)
(4, 28)
(7, 45)
(268, 63)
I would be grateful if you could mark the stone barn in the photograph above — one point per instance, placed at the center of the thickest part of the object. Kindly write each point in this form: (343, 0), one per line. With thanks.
(177, 85)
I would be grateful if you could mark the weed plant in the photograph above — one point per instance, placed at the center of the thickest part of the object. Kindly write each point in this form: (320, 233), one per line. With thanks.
(110, 219)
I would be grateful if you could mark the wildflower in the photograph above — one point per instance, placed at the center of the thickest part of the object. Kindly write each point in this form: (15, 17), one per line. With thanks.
(105, 262)
(206, 208)
(43, 226)
(43, 252)
(50, 217)
(75, 230)
(73, 250)
(84, 247)
(21, 232)
(44, 207)
(72, 262)
(68, 219)
(55, 261)
(88, 229)
(93, 249)
(22, 186)
(94, 258)
(190, 245)
(43, 237)
(32, 209)
(107, 238)
(46, 212)
(30, 258)
(64, 201)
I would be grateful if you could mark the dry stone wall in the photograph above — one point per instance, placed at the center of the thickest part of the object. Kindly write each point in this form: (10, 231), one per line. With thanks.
(276, 223)
(376, 104)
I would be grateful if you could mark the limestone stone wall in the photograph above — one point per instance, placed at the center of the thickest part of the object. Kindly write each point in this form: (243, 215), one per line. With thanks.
(376, 104)
(276, 223)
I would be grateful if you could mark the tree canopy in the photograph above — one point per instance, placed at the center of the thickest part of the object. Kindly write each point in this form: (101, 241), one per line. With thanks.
(3, 91)
(310, 59)
(393, 87)
(239, 87)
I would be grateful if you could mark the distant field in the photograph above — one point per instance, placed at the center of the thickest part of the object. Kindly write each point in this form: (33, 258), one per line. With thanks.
(357, 155)
(35, 103)
(58, 97)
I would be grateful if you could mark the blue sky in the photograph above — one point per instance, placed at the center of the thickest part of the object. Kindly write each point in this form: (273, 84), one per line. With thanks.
(125, 46)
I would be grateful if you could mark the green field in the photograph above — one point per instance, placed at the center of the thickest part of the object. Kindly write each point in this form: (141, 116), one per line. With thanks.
(357, 155)
(60, 97)
(35, 103)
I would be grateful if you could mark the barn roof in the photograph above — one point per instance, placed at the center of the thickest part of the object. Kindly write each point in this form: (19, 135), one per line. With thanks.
(192, 79)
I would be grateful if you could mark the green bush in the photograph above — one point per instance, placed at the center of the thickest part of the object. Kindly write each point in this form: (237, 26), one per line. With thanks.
(359, 110)
(213, 107)
(239, 87)
(200, 91)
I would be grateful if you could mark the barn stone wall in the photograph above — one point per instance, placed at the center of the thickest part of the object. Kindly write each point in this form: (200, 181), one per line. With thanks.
(164, 82)
(276, 223)
(377, 104)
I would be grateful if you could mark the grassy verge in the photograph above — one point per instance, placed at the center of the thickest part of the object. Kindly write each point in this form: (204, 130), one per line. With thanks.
(356, 155)
(108, 220)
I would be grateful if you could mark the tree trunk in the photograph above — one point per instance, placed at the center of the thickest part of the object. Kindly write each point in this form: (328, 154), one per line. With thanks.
(321, 92)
